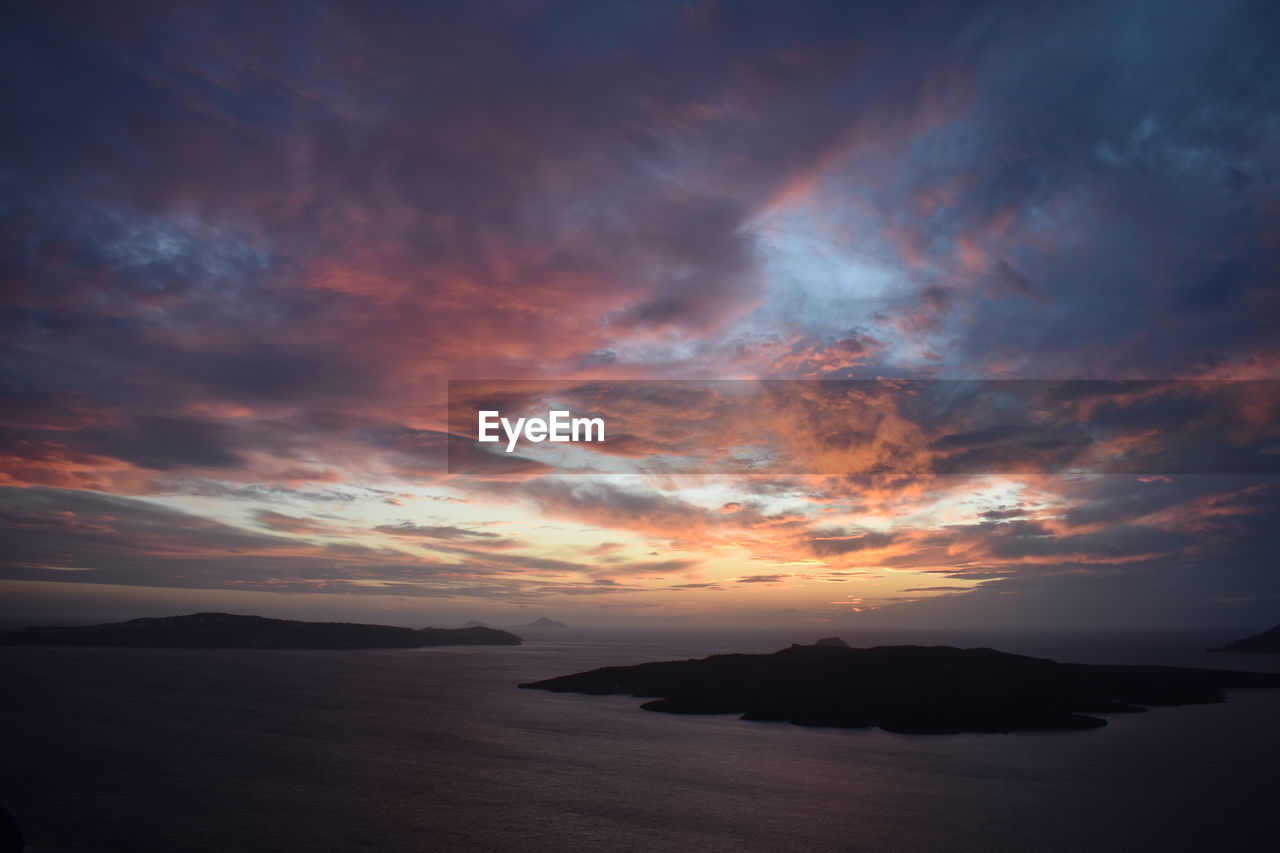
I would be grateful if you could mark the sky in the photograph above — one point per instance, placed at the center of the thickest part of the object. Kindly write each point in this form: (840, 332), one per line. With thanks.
(247, 246)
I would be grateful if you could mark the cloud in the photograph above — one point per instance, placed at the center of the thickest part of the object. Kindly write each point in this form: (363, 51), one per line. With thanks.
(438, 531)
(293, 524)
(244, 253)
(647, 512)
(835, 541)
(1004, 514)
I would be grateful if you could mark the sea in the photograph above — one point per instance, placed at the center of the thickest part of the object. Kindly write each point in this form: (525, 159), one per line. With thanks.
(435, 749)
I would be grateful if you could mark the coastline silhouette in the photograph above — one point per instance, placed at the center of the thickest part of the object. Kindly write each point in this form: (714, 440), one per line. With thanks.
(906, 689)
(233, 631)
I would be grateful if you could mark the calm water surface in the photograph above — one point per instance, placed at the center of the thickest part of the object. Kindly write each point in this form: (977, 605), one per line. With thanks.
(173, 751)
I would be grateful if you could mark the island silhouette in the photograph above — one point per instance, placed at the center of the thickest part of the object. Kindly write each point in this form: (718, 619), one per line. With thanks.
(234, 631)
(1268, 642)
(542, 622)
(907, 689)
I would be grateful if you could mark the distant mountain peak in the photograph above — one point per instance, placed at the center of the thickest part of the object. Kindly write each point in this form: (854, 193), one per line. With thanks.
(543, 622)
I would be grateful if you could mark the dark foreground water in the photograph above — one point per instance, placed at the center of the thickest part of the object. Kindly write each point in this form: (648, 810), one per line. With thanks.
(153, 751)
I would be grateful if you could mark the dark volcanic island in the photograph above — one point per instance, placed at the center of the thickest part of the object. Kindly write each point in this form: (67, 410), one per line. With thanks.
(909, 689)
(230, 631)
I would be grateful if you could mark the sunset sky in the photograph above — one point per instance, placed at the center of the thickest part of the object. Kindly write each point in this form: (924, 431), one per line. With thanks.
(246, 246)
